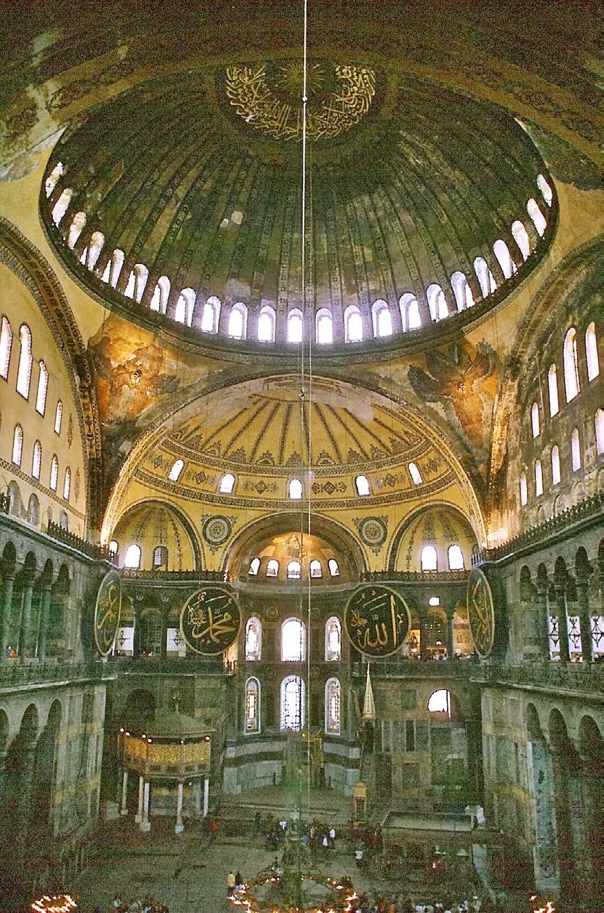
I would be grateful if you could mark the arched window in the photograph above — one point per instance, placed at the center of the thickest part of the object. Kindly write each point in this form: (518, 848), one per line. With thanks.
(58, 417)
(114, 547)
(353, 324)
(61, 206)
(571, 365)
(183, 312)
(176, 470)
(114, 267)
(334, 569)
(440, 702)
(97, 242)
(67, 484)
(137, 282)
(293, 641)
(253, 639)
(523, 489)
(332, 706)
(17, 445)
(502, 252)
(42, 389)
(252, 706)
(552, 387)
(462, 291)
(266, 324)
(591, 352)
(227, 483)
(362, 486)
(315, 569)
(132, 558)
(160, 557)
(555, 465)
(294, 570)
(54, 472)
(254, 567)
(6, 343)
(437, 302)
(410, 314)
(53, 177)
(333, 640)
(485, 277)
(294, 490)
(546, 190)
(292, 703)
(575, 448)
(33, 510)
(455, 557)
(324, 327)
(535, 422)
(429, 558)
(210, 313)
(161, 293)
(25, 361)
(416, 476)
(75, 229)
(272, 567)
(538, 479)
(520, 235)
(537, 216)
(382, 318)
(599, 427)
(237, 327)
(295, 325)
(36, 460)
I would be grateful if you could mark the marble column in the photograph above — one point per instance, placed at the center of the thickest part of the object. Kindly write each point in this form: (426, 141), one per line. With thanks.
(206, 796)
(545, 856)
(179, 796)
(145, 824)
(450, 613)
(124, 793)
(587, 653)
(542, 618)
(141, 789)
(43, 623)
(25, 620)
(562, 622)
(8, 583)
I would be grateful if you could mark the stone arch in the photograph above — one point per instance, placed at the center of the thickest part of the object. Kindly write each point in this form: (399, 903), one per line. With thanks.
(44, 775)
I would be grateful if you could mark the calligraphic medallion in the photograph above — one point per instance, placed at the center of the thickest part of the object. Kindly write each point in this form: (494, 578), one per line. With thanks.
(107, 612)
(481, 612)
(376, 620)
(210, 620)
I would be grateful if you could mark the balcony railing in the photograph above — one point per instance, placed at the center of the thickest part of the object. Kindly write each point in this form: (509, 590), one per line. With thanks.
(587, 678)
(420, 668)
(13, 673)
(413, 576)
(98, 552)
(171, 665)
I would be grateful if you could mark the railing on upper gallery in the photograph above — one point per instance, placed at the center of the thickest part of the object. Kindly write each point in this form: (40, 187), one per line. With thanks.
(91, 549)
(14, 673)
(544, 674)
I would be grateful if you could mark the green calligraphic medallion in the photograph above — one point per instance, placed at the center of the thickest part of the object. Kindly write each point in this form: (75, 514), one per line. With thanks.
(210, 620)
(376, 620)
(481, 612)
(107, 612)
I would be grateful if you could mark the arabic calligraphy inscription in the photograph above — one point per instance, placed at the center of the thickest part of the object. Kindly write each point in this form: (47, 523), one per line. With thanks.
(376, 620)
(481, 612)
(107, 612)
(210, 620)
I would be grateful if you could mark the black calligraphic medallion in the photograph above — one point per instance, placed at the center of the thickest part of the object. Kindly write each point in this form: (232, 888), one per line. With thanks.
(107, 612)
(210, 620)
(376, 620)
(481, 612)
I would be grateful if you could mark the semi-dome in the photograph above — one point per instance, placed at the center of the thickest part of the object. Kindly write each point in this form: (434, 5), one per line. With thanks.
(179, 202)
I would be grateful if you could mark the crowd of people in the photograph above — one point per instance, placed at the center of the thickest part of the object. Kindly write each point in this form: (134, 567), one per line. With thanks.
(148, 905)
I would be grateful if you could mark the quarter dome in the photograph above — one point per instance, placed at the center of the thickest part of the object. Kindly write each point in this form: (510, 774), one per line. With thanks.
(179, 203)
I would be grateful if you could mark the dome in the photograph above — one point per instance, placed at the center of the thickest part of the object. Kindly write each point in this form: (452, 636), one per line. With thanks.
(179, 203)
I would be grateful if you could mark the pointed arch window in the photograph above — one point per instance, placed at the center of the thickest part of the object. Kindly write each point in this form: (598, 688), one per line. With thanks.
(332, 706)
(42, 389)
(295, 325)
(253, 639)
(523, 489)
(362, 486)
(266, 324)
(254, 567)
(455, 558)
(227, 483)
(535, 421)
(462, 291)
(429, 558)
(599, 428)
(176, 470)
(161, 293)
(571, 365)
(520, 236)
(315, 569)
(537, 217)
(237, 327)
(575, 448)
(293, 641)
(591, 352)
(67, 484)
(252, 706)
(556, 475)
(410, 313)
(538, 479)
(36, 460)
(437, 302)
(334, 568)
(294, 490)
(552, 388)
(382, 318)
(54, 472)
(132, 558)
(58, 417)
(353, 324)
(416, 476)
(17, 445)
(333, 640)
(6, 343)
(292, 703)
(324, 327)
(25, 361)
(272, 568)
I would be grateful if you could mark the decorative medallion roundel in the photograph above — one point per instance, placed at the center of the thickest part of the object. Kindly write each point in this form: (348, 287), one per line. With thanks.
(107, 612)
(373, 531)
(216, 530)
(376, 619)
(481, 612)
(210, 620)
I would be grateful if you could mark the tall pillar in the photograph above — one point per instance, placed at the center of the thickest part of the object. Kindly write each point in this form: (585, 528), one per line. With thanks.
(545, 864)
(593, 810)
(206, 796)
(8, 583)
(179, 825)
(25, 619)
(141, 791)
(561, 793)
(543, 617)
(562, 622)
(145, 824)
(124, 795)
(43, 623)
(587, 653)
(450, 613)
(423, 637)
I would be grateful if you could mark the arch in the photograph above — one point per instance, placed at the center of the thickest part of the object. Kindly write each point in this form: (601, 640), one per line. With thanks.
(535, 420)
(537, 217)
(227, 483)
(429, 558)
(591, 352)
(17, 445)
(54, 473)
(599, 430)
(161, 293)
(75, 229)
(133, 557)
(324, 327)
(67, 484)
(332, 706)
(546, 191)
(272, 568)
(538, 479)
(138, 710)
(160, 557)
(62, 205)
(294, 570)
(502, 252)
(253, 639)
(294, 490)
(556, 475)
(437, 303)
(521, 237)
(42, 388)
(455, 558)
(252, 706)
(36, 460)
(33, 510)
(361, 484)
(137, 282)
(410, 313)
(293, 640)
(443, 705)
(353, 324)
(416, 476)
(293, 701)
(266, 324)
(462, 291)
(295, 325)
(25, 361)
(183, 311)
(58, 417)
(237, 327)
(485, 277)
(571, 365)
(254, 567)
(315, 569)
(575, 449)
(6, 343)
(176, 470)
(97, 242)
(382, 318)
(552, 388)
(333, 639)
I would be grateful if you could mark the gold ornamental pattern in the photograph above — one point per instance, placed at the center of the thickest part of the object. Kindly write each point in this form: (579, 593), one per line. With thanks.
(481, 612)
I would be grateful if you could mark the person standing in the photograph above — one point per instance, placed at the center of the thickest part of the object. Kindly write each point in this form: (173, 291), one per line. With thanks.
(230, 883)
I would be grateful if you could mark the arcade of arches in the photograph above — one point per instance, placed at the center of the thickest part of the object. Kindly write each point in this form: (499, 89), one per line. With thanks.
(162, 436)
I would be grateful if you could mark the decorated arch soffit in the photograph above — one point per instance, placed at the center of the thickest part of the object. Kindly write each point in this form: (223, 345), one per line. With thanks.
(37, 275)
(257, 430)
